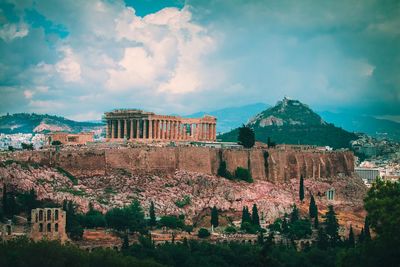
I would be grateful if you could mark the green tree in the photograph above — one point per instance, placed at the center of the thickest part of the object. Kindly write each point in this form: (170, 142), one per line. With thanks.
(25, 146)
(312, 209)
(322, 239)
(72, 226)
(203, 233)
(294, 215)
(125, 242)
(246, 218)
(11, 148)
(223, 171)
(383, 206)
(172, 222)
(243, 174)
(350, 240)
(56, 143)
(246, 136)
(316, 220)
(332, 226)
(367, 233)
(152, 212)
(301, 189)
(255, 219)
(214, 217)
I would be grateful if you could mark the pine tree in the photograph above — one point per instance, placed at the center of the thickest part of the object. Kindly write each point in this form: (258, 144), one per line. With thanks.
(312, 209)
(322, 239)
(367, 233)
(316, 221)
(332, 226)
(255, 219)
(246, 218)
(214, 217)
(351, 241)
(4, 199)
(361, 236)
(246, 136)
(301, 189)
(294, 216)
(152, 212)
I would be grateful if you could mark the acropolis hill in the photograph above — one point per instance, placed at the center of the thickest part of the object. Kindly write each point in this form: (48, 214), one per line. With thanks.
(153, 157)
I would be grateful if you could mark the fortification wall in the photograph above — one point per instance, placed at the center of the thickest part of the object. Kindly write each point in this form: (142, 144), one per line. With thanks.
(272, 165)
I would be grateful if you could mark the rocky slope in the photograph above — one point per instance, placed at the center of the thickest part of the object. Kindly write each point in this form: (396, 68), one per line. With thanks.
(204, 191)
(292, 122)
(41, 123)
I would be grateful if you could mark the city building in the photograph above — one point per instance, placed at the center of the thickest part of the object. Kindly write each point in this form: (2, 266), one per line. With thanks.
(138, 125)
(367, 174)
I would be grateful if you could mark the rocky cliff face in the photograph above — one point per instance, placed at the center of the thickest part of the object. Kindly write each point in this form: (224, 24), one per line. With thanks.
(269, 165)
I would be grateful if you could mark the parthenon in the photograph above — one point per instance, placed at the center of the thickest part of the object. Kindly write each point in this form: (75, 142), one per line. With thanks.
(138, 125)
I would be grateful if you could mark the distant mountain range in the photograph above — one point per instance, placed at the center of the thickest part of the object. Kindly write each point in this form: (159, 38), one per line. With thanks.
(289, 116)
(233, 117)
(292, 122)
(42, 123)
(364, 124)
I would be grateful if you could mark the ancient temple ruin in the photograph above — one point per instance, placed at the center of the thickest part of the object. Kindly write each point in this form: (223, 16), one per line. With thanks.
(138, 125)
(48, 223)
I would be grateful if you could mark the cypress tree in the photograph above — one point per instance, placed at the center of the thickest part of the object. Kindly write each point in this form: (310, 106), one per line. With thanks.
(332, 226)
(152, 212)
(301, 189)
(255, 219)
(367, 233)
(351, 241)
(316, 221)
(361, 236)
(322, 239)
(294, 216)
(246, 218)
(214, 217)
(312, 209)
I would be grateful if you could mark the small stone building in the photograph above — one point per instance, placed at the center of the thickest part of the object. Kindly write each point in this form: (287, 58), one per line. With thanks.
(70, 139)
(48, 223)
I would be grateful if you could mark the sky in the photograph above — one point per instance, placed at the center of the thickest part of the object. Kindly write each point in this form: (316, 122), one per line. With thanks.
(81, 58)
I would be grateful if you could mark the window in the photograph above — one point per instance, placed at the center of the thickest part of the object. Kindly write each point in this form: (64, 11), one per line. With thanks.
(40, 227)
(56, 227)
(56, 215)
(49, 227)
(49, 215)
(40, 215)
(330, 194)
(36, 217)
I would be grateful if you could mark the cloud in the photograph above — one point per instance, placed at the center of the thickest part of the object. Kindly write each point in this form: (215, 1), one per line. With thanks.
(69, 67)
(78, 57)
(168, 51)
(11, 31)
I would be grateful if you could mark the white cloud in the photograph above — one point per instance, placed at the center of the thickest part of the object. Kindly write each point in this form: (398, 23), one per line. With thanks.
(11, 31)
(168, 54)
(69, 67)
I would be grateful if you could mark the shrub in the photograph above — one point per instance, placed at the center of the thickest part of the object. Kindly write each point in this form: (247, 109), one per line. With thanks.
(203, 233)
(222, 170)
(56, 143)
(172, 222)
(183, 202)
(243, 174)
(230, 230)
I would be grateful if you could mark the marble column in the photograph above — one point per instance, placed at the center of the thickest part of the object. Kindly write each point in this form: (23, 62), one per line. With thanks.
(125, 129)
(131, 131)
(150, 129)
(137, 129)
(170, 130)
(118, 129)
(112, 129)
(145, 129)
